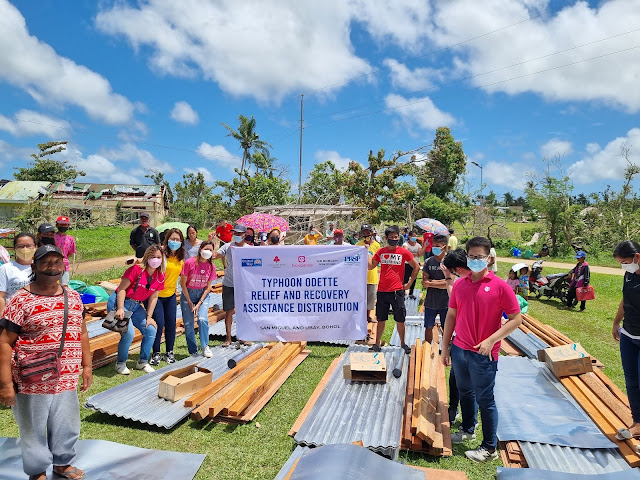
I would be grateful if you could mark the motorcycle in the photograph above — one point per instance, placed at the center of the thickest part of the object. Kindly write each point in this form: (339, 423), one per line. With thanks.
(555, 285)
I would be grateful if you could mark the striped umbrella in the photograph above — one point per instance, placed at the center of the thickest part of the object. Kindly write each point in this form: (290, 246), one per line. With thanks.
(264, 222)
(432, 225)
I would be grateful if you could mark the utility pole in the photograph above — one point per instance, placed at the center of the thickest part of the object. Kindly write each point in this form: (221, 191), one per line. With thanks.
(300, 165)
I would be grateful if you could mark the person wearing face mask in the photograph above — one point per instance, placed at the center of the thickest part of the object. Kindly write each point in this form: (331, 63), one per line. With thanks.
(475, 311)
(46, 234)
(66, 243)
(228, 300)
(626, 330)
(580, 276)
(143, 236)
(274, 237)
(165, 312)
(249, 237)
(17, 273)
(140, 285)
(390, 288)
(313, 236)
(367, 240)
(416, 250)
(195, 279)
(436, 300)
(45, 316)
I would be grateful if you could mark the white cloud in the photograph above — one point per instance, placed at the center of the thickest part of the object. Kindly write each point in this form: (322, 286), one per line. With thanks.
(208, 176)
(556, 148)
(35, 67)
(341, 163)
(259, 48)
(143, 160)
(411, 80)
(418, 112)
(506, 174)
(611, 79)
(10, 153)
(606, 163)
(99, 168)
(183, 113)
(219, 154)
(26, 123)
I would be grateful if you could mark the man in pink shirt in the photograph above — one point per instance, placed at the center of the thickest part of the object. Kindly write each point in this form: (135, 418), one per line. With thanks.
(475, 311)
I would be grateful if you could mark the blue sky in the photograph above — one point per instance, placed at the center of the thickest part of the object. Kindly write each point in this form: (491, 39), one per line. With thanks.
(141, 85)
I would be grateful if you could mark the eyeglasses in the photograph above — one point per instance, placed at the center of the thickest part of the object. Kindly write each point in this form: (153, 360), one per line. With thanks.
(477, 257)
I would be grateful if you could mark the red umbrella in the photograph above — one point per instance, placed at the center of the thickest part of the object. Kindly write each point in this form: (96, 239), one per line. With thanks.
(264, 222)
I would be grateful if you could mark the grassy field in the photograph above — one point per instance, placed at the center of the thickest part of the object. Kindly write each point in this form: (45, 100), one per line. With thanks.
(249, 451)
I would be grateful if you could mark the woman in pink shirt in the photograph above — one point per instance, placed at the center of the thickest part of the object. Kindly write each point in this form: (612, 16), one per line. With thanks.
(195, 279)
(66, 243)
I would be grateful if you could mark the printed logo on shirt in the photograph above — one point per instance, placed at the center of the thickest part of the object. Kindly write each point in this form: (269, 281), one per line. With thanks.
(391, 259)
(486, 289)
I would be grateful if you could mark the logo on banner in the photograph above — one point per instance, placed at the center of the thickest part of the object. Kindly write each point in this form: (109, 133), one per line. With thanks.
(354, 259)
(276, 259)
(302, 259)
(251, 262)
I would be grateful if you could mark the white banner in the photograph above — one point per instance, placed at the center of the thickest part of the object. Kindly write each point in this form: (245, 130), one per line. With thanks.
(300, 293)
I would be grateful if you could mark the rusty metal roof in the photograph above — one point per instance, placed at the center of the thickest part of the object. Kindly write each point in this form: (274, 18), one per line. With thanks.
(105, 188)
(21, 191)
(349, 411)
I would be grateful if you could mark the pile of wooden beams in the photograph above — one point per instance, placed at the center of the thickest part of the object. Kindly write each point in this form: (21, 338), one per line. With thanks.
(426, 418)
(511, 454)
(238, 395)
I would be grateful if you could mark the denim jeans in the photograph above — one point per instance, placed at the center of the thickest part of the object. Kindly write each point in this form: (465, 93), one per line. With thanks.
(630, 355)
(165, 316)
(476, 377)
(189, 320)
(139, 321)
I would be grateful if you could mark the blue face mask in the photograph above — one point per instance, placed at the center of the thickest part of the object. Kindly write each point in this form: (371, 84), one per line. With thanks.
(174, 245)
(413, 239)
(436, 251)
(476, 266)
(238, 238)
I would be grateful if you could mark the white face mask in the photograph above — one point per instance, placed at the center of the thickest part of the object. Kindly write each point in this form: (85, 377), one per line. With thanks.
(630, 267)
(206, 254)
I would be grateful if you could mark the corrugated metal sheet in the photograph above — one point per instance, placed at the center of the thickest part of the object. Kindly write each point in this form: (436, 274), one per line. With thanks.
(138, 399)
(95, 329)
(573, 460)
(21, 191)
(218, 329)
(528, 343)
(412, 304)
(284, 471)
(414, 329)
(349, 411)
(105, 188)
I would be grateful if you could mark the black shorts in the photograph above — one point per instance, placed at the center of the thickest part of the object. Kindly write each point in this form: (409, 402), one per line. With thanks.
(228, 300)
(393, 301)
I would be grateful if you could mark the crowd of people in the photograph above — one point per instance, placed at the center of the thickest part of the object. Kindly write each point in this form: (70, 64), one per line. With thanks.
(41, 320)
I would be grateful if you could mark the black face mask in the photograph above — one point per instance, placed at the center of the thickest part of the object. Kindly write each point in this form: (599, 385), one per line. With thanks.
(393, 243)
(248, 238)
(275, 239)
(49, 276)
(47, 241)
(63, 229)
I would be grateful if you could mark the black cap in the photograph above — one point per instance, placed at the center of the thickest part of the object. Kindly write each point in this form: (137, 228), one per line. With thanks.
(46, 228)
(240, 228)
(366, 226)
(45, 250)
(143, 214)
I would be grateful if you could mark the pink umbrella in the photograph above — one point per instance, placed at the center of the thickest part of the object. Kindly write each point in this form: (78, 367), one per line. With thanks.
(264, 222)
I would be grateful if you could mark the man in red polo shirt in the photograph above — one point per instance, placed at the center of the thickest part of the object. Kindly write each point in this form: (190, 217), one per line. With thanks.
(475, 311)
(223, 232)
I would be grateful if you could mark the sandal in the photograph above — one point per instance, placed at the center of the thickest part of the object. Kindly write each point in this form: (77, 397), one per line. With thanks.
(72, 473)
(245, 343)
(624, 434)
(225, 344)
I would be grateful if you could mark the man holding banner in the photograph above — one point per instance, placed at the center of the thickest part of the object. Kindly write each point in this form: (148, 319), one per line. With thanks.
(390, 287)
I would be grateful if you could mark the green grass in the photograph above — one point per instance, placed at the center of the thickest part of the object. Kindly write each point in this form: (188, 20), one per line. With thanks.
(249, 451)
(102, 242)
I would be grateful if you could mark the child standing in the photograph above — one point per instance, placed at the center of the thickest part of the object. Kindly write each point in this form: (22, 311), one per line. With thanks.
(513, 281)
(524, 282)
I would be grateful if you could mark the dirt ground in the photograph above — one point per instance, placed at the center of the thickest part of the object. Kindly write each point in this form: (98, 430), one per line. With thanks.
(95, 266)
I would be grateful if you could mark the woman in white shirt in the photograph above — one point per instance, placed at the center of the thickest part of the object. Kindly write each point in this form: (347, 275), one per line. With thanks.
(417, 251)
(15, 274)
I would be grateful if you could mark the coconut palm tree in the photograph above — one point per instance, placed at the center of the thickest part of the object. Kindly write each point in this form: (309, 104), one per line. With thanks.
(247, 137)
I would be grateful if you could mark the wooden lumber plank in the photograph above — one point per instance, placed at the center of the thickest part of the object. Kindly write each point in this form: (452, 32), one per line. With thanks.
(443, 409)
(508, 348)
(204, 394)
(314, 396)
(603, 393)
(425, 384)
(405, 436)
(432, 473)
(612, 387)
(600, 420)
(293, 467)
(416, 387)
(432, 399)
(262, 382)
(239, 387)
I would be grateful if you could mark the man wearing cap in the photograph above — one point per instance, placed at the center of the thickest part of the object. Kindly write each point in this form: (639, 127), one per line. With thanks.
(66, 243)
(46, 234)
(338, 238)
(580, 277)
(143, 236)
(367, 240)
(228, 302)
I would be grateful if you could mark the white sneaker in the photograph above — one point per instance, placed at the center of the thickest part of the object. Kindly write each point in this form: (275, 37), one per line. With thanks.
(207, 352)
(122, 369)
(481, 454)
(462, 436)
(145, 367)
